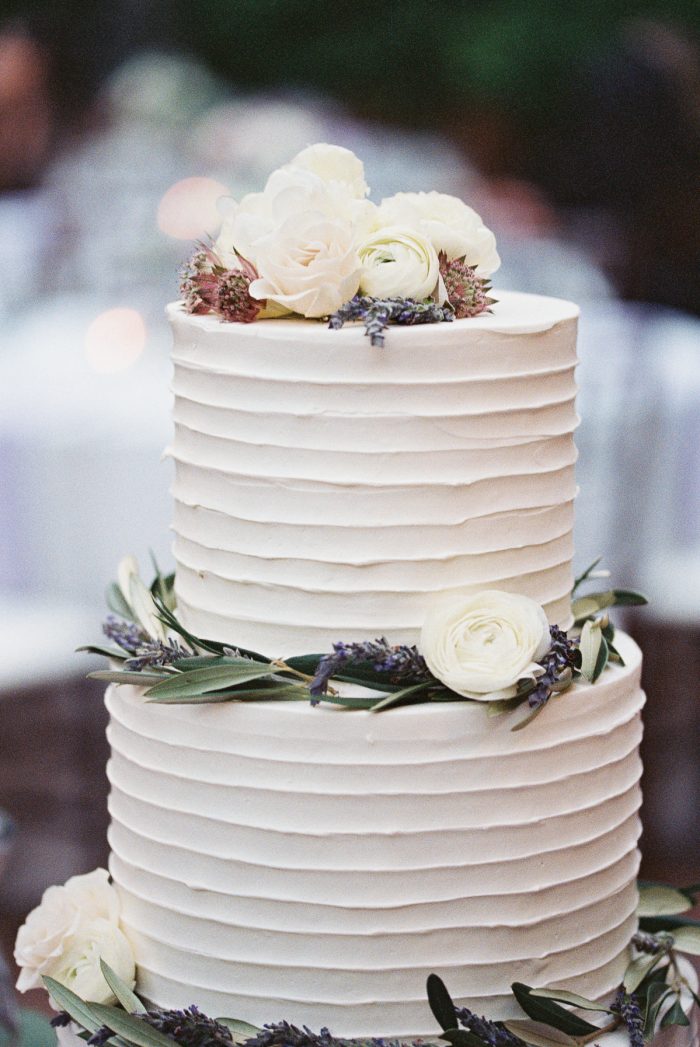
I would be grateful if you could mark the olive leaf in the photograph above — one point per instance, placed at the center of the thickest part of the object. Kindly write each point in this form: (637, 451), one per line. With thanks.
(240, 1031)
(675, 1015)
(657, 993)
(441, 1003)
(572, 998)
(126, 997)
(551, 1013)
(660, 900)
(133, 1029)
(406, 696)
(80, 1012)
(687, 939)
(638, 970)
(594, 650)
(211, 678)
(537, 1035)
(117, 603)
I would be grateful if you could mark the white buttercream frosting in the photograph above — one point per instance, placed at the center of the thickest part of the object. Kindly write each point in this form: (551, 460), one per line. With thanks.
(327, 489)
(278, 860)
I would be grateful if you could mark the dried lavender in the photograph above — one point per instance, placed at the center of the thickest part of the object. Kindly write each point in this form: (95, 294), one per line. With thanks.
(401, 662)
(558, 663)
(155, 654)
(627, 1006)
(494, 1034)
(282, 1034)
(467, 293)
(649, 943)
(378, 313)
(189, 1028)
(126, 635)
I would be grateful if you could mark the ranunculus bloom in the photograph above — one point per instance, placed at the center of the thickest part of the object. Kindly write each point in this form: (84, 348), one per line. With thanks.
(67, 934)
(451, 226)
(398, 262)
(481, 645)
(309, 265)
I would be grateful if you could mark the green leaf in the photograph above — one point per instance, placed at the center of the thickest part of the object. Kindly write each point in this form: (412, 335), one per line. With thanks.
(594, 603)
(441, 1003)
(107, 652)
(461, 1038)
(656, 994)
(122, 676)
(241, 1030)
(80, 1012)
(551, 1013)
(660, 900)
(687, 939)
(594, 650)
(584, 576)
(305, 663)
(675, 1015)
(406, 696)
(347, 702)
(529, 718)
(126, 997)
(133, 1029)
(638, 970)
(117, 603)
(629, 598)
(499, 706)
(212, 678)
(170, 620)
(563, 996)
(534, 1034)
(279, 692)
(653, 924)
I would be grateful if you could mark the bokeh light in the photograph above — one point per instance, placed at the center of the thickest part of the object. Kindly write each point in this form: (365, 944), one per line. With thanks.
(114, 340)
(188, 210)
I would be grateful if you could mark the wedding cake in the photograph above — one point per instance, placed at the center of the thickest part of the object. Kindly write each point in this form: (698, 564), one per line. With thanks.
(394, 477)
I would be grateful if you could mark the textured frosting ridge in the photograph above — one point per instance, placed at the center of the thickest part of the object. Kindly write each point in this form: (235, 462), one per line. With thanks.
(275, 859)
(327, 490)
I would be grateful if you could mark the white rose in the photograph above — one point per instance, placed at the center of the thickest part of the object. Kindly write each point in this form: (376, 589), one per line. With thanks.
(68, 932)
(449, 224)
(480, 646)
(289, 193)
(309, 265)
(335, 164)
(398, 262)
(79, 966)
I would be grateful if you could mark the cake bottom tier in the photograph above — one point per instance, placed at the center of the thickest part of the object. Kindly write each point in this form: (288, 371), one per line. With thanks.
(276, 860)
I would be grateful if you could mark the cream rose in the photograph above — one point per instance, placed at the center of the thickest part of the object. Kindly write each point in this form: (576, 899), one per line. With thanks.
(334, 164)
(67, 934)
(480, 646)
(398, 262)
(309, 265)
(451, 226)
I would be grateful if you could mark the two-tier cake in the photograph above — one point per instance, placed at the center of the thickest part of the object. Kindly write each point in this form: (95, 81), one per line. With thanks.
(392, 494)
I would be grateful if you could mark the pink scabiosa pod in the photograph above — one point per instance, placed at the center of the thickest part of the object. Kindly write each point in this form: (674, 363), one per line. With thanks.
(233, 300)
(466, 292)
(199, 281)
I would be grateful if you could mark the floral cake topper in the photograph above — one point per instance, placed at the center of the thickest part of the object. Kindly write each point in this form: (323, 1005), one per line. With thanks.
(311, 244)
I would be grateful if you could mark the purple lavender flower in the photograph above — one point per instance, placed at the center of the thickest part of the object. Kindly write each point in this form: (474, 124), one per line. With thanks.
(561, 657)
(126, 635)
(155, 654)
(627, 1006)
(401, 662)
(494, 1034)
(282, 1034)
(378, 313)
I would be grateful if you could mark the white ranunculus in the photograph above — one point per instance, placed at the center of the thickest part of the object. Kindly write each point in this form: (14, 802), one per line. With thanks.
(481, 645)
(334, 164)
(451, 226)
(309, 265)
(398, 261)
(68, 932)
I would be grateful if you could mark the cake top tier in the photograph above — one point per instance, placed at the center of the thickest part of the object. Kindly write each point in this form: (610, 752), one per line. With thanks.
(311, 244)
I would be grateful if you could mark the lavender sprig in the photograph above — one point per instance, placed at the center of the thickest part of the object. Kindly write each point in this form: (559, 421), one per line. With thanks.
(560, 660)
(627, 1006)
(378, 313)
(494, 1034)
(401, 662)
(126, 635)
(282, 1034)
(188, 1028)
(155, 654)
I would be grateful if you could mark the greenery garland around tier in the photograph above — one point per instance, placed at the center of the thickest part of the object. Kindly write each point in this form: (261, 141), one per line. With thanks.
(655, 993)
(151, 648)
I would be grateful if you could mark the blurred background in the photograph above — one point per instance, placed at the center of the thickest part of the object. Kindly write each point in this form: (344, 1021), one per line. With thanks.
(574, 129)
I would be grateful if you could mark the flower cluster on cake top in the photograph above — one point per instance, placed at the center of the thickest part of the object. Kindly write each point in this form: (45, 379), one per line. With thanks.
(312, 244)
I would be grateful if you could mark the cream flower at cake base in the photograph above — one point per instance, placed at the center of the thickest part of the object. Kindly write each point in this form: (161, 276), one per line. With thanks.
(448, 223)
(481, 645)
(68, 933)
(398, 261)
(309, 266)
